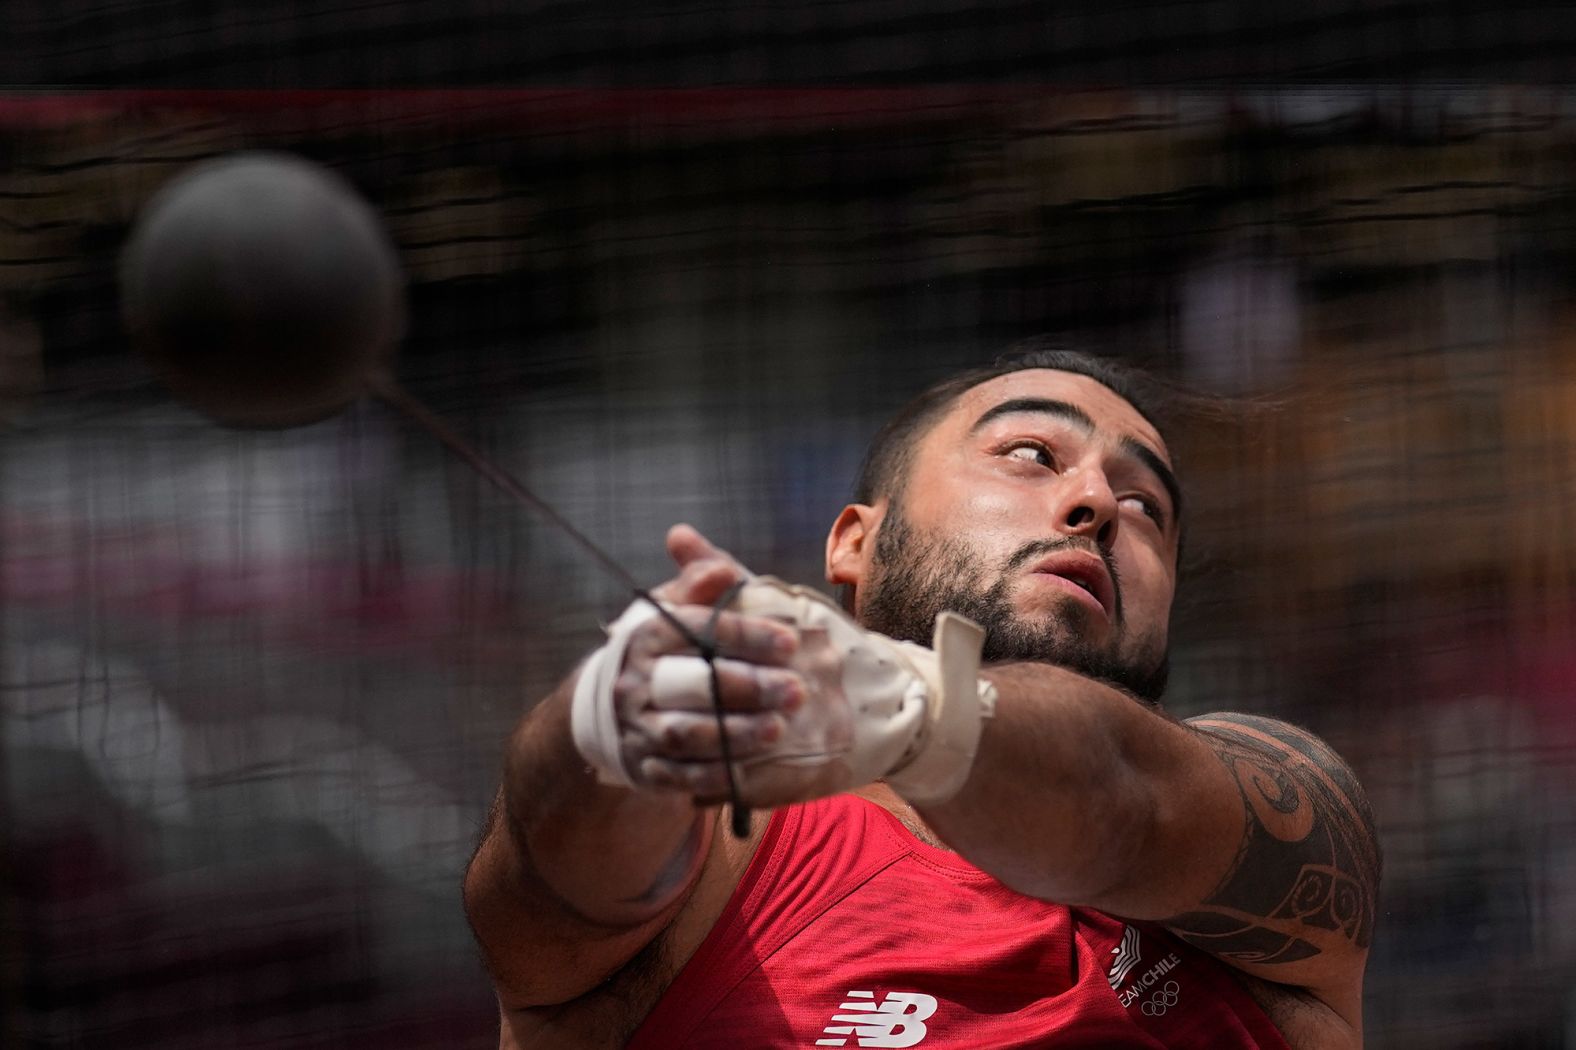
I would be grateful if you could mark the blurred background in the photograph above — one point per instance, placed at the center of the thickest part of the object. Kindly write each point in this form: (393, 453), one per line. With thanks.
(677, 264)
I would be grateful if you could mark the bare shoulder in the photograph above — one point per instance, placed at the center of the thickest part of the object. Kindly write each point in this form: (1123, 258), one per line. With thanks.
(1296, 907)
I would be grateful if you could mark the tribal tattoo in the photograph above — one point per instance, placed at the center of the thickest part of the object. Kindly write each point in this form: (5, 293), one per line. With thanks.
(1309, 857)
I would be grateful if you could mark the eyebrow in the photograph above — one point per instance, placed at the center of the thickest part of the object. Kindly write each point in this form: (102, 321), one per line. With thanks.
(1079, 418)
(1040, 405)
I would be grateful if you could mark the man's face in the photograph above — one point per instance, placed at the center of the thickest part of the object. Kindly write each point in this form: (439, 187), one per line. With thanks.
(1038, 506)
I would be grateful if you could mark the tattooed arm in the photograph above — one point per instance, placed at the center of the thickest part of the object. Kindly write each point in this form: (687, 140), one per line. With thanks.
(1247, 836)
(1307, 868)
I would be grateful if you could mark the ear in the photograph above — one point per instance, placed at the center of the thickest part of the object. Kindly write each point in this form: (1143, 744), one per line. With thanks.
(851, 543)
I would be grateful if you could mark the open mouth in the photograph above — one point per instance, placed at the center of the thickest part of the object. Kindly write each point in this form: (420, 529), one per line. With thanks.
(1085, 575)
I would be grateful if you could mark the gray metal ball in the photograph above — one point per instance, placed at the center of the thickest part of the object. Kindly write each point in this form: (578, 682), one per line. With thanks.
(263, 289)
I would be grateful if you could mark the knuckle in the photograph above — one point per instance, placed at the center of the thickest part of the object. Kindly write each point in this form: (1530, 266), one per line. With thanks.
(643, 642)
(694, 619)
(697, 736)
(769, 730)
(656, 773)
(783, 690)
(760, 634)
(629, 681)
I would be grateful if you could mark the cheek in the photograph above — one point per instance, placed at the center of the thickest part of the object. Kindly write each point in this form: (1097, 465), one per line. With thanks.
(977, 513)
(1007, 509)
(1146, 581)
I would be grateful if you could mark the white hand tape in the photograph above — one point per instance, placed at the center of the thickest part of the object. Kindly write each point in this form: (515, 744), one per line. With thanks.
(954, 718)
(593, 718)
(679, 682)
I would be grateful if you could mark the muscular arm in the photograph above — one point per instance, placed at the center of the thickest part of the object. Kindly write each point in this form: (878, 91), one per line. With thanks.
(1246, 836)
(1306, 870)
(573, 877)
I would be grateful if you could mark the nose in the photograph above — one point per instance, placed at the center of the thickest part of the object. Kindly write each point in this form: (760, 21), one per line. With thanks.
(1087, 507)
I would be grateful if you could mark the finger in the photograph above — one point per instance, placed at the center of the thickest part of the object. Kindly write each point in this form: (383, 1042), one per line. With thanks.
(690, 736)
(767, 781)
(685, 682)
(754, 639)
(700, 582)
(686, 544)
(707, 781)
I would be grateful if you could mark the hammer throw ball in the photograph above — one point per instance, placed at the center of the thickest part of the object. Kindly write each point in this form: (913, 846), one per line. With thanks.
(263, 289)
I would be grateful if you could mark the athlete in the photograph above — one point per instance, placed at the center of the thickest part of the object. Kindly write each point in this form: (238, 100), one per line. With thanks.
(974, 825)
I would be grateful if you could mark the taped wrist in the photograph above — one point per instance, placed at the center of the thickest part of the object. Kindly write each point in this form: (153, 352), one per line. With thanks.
(593, 716)
(960, 702)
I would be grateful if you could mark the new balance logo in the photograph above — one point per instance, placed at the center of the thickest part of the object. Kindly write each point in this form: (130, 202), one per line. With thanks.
(898, 1020)
(1127, 956)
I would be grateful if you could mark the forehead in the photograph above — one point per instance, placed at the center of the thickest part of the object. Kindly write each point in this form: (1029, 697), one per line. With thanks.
(1113, 416)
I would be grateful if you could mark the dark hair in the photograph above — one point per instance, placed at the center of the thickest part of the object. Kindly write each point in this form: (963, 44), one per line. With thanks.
(891, 452)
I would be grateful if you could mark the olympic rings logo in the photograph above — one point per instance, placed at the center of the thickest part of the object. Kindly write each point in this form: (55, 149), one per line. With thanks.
(1157, 1004)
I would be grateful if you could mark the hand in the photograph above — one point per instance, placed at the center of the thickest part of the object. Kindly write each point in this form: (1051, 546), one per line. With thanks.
(813, 704)
(657, 727)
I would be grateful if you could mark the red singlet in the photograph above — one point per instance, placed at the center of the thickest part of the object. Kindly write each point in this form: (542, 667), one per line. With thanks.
(848, 931)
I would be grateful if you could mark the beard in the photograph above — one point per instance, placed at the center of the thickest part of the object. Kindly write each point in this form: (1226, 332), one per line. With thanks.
(916, 577)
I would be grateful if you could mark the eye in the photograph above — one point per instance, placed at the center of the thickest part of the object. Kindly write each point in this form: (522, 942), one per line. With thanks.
(1147, 506)
(1030, 452)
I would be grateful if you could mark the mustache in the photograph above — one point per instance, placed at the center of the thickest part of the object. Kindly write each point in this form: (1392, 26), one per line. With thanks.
(1039, 548)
